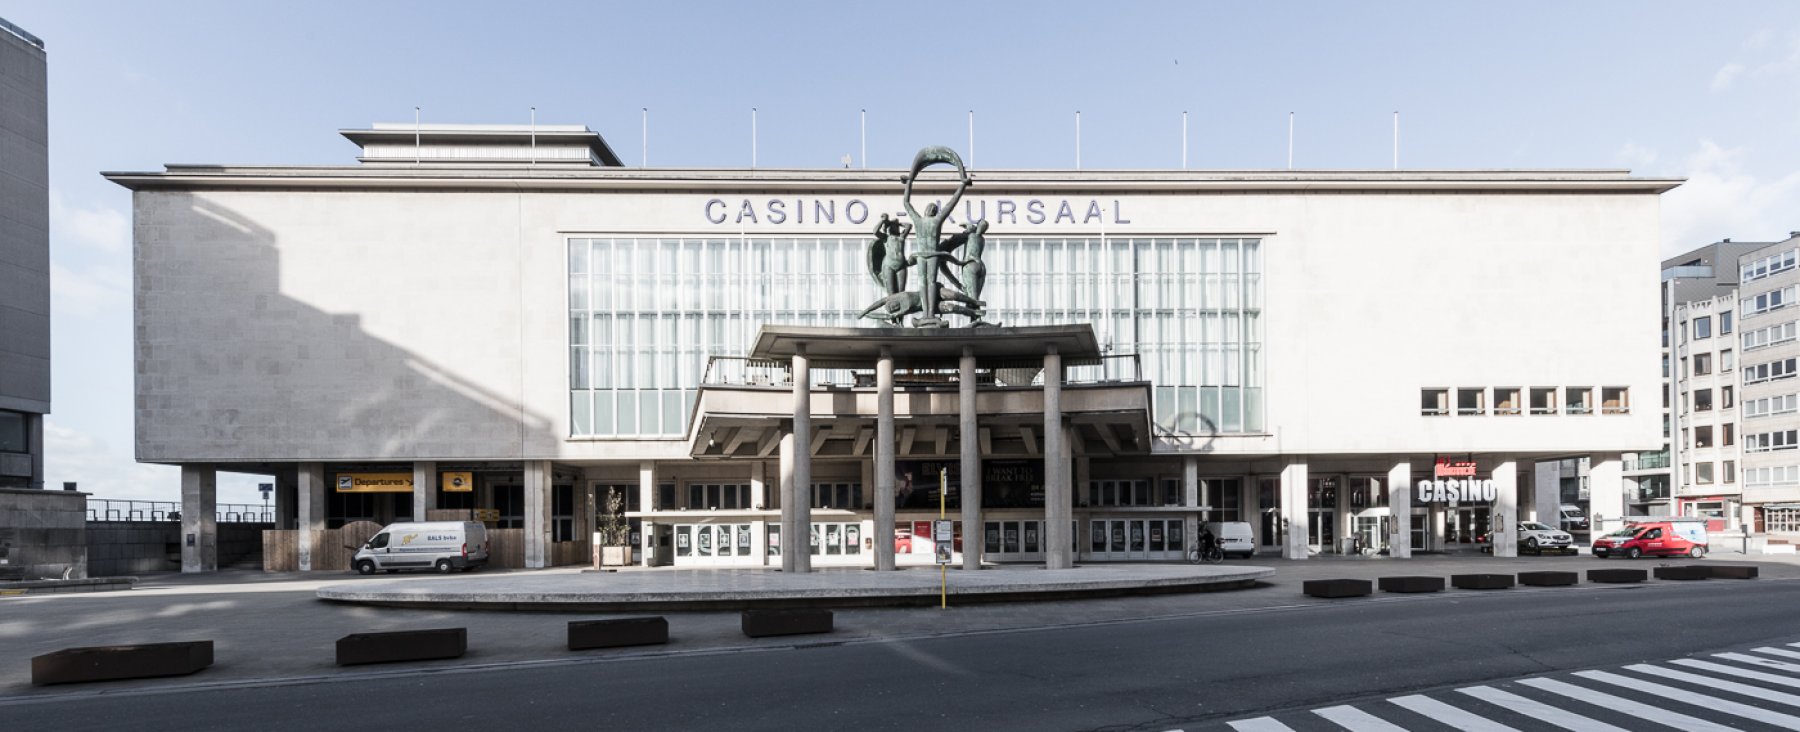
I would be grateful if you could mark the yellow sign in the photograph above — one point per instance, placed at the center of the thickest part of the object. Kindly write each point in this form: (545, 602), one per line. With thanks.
(456, 482)
(487, 515)
(374, 482)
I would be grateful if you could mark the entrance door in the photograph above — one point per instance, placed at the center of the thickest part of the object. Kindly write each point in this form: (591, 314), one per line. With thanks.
(1321, 527)
(1370, 532)
(1139, 533)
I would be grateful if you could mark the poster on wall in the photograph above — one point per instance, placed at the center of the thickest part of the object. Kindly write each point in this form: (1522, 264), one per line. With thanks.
(916, 484)
(1012, 484)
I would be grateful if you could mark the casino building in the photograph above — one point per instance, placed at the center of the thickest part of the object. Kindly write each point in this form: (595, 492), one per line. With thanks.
(507, 319)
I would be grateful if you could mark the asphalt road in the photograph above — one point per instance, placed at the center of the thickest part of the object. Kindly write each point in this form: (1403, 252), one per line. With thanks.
(1165, 673)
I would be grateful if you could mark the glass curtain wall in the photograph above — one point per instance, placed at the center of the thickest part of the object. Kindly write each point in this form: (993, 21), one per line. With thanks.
(646, 312)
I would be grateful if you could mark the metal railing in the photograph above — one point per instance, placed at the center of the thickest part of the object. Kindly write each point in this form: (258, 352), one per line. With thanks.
(741, 371)
(118, 509)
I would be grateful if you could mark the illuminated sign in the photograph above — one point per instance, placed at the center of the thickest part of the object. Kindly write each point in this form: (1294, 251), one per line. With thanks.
(1456, 491)
(374, 483)
(456, 482)
(1448, 468)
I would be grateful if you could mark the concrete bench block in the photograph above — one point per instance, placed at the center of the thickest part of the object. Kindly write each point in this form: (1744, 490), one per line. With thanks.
(1732, 571)
(112, 663)
(1684, 572)
(1481, 581)
(1411, 584)
(405, 645)
(618, 632)
(1336, 587)
(1549, 579)
(1616, 576)
(795, 621)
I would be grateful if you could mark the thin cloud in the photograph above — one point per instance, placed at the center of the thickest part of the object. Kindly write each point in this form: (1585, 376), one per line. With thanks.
(1723, 200)
(90, 292)
(99, 228)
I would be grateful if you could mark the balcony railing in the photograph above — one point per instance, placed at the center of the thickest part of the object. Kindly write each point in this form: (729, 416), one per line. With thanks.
(740, 371)
(115, 509)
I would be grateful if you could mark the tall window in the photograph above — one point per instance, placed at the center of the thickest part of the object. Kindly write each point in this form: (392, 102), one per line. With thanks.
(645, 314)
(1725, 325)
(1703, 327)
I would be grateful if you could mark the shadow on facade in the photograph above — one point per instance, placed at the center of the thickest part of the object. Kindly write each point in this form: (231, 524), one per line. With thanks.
(233, 371)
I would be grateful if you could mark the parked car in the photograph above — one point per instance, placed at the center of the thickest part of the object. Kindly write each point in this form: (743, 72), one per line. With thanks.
(1534, 538)
(1655, 538)
(1572, 519)
(1538, 538)
(444, 546)
(1234, 537)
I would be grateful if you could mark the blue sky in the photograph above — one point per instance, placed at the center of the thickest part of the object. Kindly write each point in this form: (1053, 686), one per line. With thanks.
(1705, 91)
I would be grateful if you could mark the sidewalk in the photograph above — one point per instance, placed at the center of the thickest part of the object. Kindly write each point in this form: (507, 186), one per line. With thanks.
(270, 628)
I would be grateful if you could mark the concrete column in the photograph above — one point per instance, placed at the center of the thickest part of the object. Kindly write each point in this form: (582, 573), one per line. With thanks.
(792, 543)
(970, 428)
(585, 508)
(759, 500)
(1606, 492)
(199, 516)
(1503, 517)
(1293, 510)
(884, 461)
(1546, 492)
(1191, 498)
(286, 495)
(425, 490)
(537, 514)
(802, 453)
(646, 500)
(1400, 492)
(310, 514)
(1057, 496)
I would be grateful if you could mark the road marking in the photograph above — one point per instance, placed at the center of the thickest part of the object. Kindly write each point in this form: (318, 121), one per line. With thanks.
(1625, 706)
(1760, 661)
(1714, 703)
(1260, 724)
(1357, 720)
(1453, 716)
(1757, 692)
(1739, 672)
(1540, 711)
(1782, 652)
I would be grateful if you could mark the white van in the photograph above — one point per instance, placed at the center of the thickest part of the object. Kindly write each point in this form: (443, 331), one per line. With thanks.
(1234, 537)
(1571, 518)
(444, 546)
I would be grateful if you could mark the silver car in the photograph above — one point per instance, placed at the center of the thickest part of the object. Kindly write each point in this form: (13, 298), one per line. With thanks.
(1538, 538)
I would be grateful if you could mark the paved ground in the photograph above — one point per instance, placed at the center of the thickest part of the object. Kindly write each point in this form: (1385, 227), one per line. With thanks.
(270, 626)
(729, 589)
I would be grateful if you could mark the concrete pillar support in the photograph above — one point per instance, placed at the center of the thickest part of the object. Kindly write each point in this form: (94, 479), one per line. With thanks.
(1400, 492)
(1294, 512)
(1606, 492)
(759, 500)
(537, 514)
(1058, 510)
(647, 502)
(310, 513)
(802, 455)
(1191, 499)
(970, 429)
(1546, 492)
(792, 543)
(1503, 519)
(199, 516)
(884, 460)
(425, 490)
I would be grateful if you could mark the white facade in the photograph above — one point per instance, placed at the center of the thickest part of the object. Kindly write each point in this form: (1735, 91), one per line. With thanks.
(395, 315)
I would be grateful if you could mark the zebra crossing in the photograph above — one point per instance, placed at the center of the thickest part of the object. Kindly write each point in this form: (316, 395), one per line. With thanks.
(1723, 691)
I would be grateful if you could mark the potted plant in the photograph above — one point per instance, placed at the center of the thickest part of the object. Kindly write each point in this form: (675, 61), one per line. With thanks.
(612, 538)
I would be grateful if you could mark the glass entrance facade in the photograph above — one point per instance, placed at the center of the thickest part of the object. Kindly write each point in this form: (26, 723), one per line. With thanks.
(646, 312)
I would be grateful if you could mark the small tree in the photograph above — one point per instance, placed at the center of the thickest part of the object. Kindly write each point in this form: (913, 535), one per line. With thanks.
(613, 529)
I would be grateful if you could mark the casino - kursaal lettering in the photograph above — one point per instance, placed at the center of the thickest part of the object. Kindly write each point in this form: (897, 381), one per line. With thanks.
(856, 211)
(1455, 490)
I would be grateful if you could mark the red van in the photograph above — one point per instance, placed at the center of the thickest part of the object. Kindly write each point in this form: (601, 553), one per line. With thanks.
(1655, 538)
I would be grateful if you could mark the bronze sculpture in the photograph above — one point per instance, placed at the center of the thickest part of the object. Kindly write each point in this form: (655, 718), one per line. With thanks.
(938, 290)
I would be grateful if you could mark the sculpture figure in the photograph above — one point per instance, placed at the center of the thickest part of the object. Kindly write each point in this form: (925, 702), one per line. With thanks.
(938, 290)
